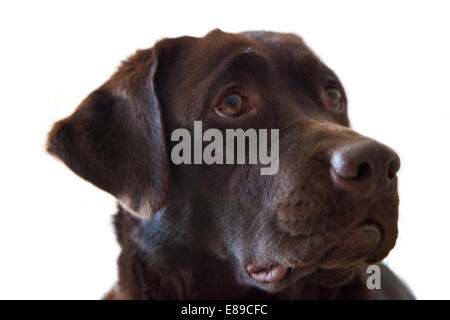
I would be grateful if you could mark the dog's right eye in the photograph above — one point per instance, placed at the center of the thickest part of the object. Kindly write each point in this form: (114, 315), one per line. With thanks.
(231, 106)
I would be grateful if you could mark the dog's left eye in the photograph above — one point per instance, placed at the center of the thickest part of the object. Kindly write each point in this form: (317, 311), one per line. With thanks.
(334, 98)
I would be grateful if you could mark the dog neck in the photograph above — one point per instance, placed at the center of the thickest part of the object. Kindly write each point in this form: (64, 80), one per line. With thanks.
(158, 263)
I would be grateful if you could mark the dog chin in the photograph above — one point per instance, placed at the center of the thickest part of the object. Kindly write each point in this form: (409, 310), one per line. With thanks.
(334, 277)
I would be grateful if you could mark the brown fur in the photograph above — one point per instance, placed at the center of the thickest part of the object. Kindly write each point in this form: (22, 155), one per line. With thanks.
(189, 231)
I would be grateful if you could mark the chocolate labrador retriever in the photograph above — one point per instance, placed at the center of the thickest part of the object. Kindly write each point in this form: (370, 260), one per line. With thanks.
(195, 231)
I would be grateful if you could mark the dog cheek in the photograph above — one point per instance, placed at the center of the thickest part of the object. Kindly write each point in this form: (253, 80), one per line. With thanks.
(387, 215)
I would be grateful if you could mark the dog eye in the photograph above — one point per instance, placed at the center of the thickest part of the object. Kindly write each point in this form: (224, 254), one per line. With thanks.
(334, 98)
(231, 105)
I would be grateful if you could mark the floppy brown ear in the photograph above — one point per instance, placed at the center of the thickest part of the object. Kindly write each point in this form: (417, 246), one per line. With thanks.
(115, 138)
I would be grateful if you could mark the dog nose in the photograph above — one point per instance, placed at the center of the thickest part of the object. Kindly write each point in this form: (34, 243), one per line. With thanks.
(365, 166)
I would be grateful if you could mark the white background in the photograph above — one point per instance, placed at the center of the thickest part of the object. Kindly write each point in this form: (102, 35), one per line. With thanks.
(56, 238)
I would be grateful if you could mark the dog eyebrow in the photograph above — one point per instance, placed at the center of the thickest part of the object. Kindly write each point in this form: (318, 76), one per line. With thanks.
(248, 56)
(246, 62)
(243, 61)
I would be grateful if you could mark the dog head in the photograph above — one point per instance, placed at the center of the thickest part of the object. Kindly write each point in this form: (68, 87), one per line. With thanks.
(332, 204)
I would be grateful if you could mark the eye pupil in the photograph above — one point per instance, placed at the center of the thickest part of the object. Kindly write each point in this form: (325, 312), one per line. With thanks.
(230, 106)
(334, 98)
(232, 101)
(334, 94)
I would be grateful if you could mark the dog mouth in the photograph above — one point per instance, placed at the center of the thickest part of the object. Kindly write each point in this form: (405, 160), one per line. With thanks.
(270, 274)
(351, 250)
(355, 247)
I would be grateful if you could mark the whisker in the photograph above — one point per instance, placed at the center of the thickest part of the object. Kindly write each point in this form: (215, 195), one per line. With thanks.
(293, 289)
(279, 242)
(263, 225)
(268, 237)
(254, 220)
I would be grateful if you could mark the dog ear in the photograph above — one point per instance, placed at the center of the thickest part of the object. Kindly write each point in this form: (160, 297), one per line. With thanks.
(115, 139)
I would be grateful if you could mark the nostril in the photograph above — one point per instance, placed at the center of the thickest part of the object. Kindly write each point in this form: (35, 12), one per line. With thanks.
(391, 173)
(364, 166)
(364, 171)
(394, 166)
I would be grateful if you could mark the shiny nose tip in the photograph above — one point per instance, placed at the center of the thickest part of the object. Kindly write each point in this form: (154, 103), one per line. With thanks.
(364, 166)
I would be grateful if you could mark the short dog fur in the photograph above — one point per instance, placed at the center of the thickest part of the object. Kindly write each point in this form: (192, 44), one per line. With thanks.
(209, 231)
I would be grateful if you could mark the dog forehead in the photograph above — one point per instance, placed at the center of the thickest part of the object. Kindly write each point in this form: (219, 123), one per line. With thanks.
(198, 59)
(267, 43)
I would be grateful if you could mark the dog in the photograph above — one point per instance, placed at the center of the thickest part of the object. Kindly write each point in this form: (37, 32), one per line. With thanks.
(224, 231)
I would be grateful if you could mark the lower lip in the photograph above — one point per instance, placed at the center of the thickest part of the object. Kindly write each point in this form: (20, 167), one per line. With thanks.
(269, 274)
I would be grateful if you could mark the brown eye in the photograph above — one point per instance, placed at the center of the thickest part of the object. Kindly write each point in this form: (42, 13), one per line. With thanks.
(334, 98)
(230, 106)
